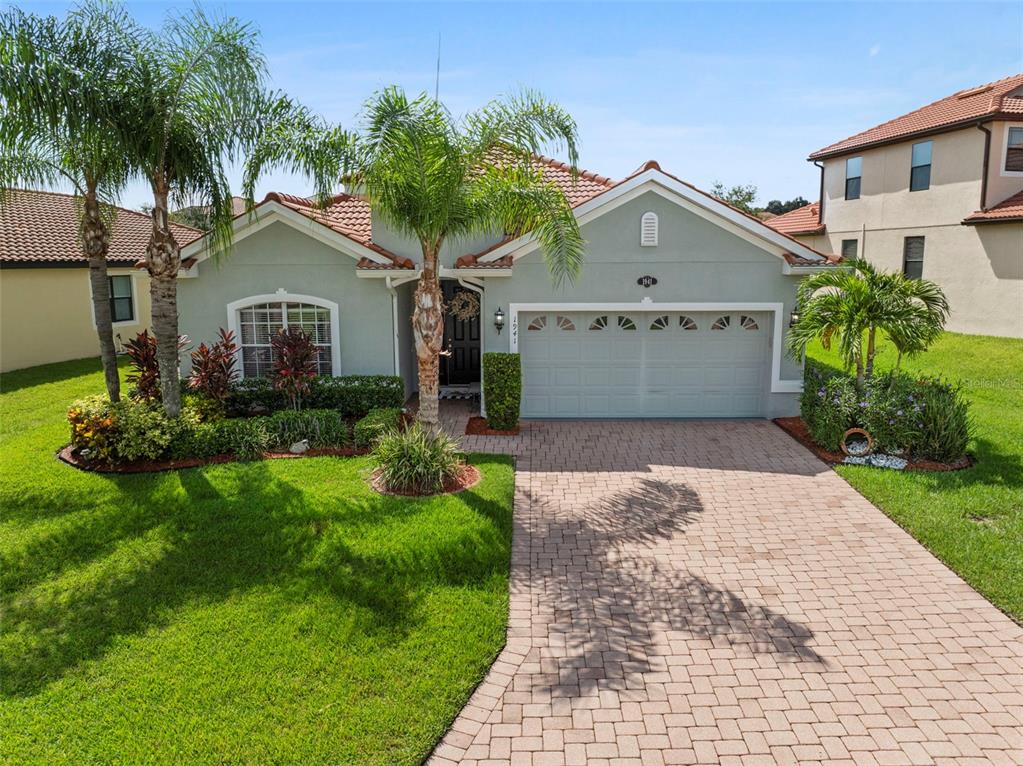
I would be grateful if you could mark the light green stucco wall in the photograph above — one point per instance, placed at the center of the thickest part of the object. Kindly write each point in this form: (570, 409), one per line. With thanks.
(695, 261)
(280, 257)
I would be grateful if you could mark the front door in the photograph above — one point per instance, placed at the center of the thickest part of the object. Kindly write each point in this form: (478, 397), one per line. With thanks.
(461, 364)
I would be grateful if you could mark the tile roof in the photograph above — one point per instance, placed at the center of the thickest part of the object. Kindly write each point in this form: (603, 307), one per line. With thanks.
(795, 260)
(41, 227)
(349, 216)
(985, 101)
(802, 220)
(1005, 211)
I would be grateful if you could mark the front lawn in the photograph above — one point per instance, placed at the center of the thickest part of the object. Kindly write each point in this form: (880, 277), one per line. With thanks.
(971, 519)
(263, 612)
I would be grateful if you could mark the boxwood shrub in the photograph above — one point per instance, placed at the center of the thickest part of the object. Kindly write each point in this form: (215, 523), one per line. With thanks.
(323, 428)
(927, 418)
(502, 389)
(351, 395)
(375, 424)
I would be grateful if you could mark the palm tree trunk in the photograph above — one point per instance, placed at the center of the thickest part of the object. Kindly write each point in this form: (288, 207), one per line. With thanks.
(871, 335)
(95, 244)
(428, 333)
(163, 259)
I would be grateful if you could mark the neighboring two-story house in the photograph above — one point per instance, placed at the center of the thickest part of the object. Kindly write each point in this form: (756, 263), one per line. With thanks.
(936, 193)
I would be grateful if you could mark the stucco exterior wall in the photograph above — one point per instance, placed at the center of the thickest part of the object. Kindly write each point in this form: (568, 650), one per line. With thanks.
(979, 268)
(695, 261)
(46, 315)
(281, 258)
(1001, 184)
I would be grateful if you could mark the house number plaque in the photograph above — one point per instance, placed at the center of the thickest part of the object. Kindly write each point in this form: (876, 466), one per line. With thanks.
(646, 281)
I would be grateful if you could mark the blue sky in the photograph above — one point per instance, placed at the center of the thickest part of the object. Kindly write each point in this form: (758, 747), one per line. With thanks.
(740, 93)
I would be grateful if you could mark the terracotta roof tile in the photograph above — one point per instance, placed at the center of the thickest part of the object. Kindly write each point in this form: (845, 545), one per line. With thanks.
(42, 227)
(802, 220)
(991, 100)
(795, 260)
(1005, 211)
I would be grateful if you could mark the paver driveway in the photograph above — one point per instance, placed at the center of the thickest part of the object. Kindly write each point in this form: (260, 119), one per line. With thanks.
(700, 592)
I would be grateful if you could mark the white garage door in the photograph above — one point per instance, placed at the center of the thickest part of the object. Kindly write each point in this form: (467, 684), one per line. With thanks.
(622, 364)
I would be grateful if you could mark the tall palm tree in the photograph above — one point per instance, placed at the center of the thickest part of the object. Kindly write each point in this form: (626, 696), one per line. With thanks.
(852, 303)
(59, 86)
(195, 89)
(437, 178)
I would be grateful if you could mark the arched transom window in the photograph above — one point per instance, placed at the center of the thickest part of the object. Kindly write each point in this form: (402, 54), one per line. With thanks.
(259, 322)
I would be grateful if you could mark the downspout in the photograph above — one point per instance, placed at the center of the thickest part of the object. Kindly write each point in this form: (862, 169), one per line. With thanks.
(394, 324)
(987, 160)
(820, 195)
(478, 288)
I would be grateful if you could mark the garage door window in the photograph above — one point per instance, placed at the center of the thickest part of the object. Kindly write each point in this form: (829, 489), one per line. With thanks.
(599, 323)
(749, 323)
(537, 324)
(564, 323)
(687, 323)
(660, 323)
(722, 323)
(626, 323)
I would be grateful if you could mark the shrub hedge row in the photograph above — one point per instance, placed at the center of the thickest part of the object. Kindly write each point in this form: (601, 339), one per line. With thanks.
(351, 395)
(376, 424)
(928, 418)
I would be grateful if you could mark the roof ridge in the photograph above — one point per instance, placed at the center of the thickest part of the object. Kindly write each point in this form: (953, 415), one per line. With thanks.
(120, 208)
(958, 95)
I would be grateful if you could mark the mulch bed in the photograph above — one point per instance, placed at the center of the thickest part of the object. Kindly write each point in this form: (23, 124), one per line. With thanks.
(468, 477)
(68, 456)
(796, 428)
(477, 426)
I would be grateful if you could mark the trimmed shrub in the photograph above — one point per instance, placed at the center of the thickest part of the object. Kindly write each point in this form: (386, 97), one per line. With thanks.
(355, 395)
(351, 395)
(246, 438)
(376, 422)
(92, 428)
(324, 429)
(144, 432)
(502, 389)
(415, 461)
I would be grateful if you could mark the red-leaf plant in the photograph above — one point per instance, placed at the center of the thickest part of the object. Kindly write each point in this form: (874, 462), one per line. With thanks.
(145, 375)
(213, 369)
(294, 363)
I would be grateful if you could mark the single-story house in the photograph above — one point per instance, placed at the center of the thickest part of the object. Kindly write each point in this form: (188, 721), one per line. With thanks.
(680, 310)
(45, 296)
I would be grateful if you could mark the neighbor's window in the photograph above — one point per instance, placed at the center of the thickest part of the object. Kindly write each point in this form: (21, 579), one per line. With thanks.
(849, 248)
(259, 323)
(913, 257)
(122, 305)
(1014, 151)
(920, 172)
(853, 171)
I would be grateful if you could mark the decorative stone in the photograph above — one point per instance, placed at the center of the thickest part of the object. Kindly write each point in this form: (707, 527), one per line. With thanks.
(299, 447)
(878, 460)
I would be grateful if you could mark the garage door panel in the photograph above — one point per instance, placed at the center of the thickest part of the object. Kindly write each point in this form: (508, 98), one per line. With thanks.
(658, 369)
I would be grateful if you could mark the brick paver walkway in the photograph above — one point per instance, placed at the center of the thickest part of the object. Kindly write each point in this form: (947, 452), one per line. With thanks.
(699, 592)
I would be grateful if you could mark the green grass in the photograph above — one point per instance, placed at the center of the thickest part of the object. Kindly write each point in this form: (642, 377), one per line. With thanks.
(971, 519)
(265, 612)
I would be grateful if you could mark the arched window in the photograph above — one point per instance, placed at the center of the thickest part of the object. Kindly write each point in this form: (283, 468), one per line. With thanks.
(722, 323)
(660, 323)
(687, 323)
(648, 229)
(256, 320)
(537, 324)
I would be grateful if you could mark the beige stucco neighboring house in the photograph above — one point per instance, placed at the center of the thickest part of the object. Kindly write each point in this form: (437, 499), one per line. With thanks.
(936, 193)
(45, 298)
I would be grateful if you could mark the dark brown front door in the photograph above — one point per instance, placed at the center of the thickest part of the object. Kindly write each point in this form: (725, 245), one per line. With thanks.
(462, 341)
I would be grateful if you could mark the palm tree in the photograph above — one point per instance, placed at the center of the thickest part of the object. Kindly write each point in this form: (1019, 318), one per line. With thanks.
(58, 84)
(436, 178)
(857, 300)
(195, 88)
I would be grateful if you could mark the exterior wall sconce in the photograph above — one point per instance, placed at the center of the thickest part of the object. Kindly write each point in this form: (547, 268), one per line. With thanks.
(793, 319)
(499, 320)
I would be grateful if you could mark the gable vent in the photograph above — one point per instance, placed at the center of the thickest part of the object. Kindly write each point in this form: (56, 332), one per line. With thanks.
(648, 230)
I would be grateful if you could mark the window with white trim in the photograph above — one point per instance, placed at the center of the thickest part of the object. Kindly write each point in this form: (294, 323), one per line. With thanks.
(122, 302)
(648, 229)
(259, 322)
(1014, 150)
